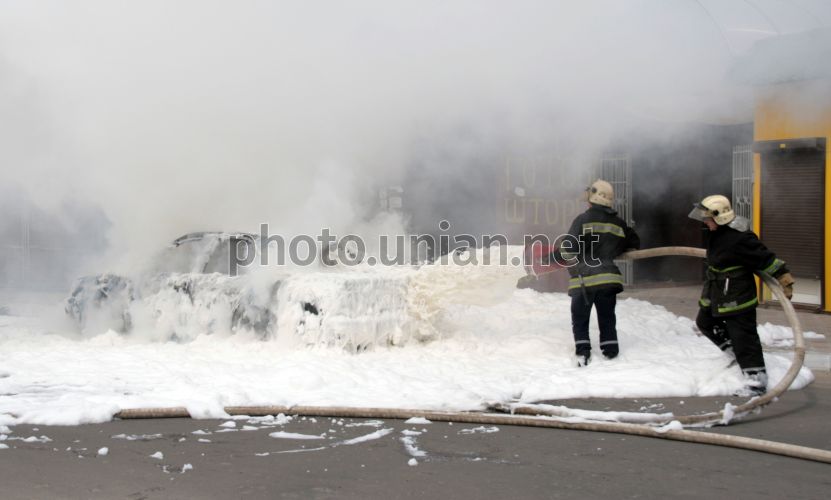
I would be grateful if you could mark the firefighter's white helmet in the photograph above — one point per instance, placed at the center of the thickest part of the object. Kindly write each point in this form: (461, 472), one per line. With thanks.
(601, 193)
(715, 206)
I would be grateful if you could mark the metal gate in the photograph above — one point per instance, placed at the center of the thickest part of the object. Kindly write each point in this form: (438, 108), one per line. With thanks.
(743, 181)
(36, 253)
(617, 170)
(792, 216)
(16, 254)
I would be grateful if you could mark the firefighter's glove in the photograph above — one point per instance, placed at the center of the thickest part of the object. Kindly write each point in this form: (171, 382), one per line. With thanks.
(786, 280)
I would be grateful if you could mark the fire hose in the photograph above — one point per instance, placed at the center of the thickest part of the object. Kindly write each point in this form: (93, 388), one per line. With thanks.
(658, 426)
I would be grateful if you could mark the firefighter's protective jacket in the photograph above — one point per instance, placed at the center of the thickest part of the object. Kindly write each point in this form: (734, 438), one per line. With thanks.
(733, 256)
(594, 267)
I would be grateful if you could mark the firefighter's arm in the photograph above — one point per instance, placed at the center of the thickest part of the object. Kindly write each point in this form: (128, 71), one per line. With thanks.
(756, 256)
(633, 241)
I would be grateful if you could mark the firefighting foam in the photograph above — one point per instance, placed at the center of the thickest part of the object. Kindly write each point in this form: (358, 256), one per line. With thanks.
(382, 338)
(167, 119)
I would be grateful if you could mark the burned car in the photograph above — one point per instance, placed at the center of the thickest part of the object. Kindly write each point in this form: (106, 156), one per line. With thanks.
(194, 267)
(192, 288)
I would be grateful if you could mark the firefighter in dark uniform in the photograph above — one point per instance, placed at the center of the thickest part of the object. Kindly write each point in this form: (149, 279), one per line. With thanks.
(595, 280)
(727, 314)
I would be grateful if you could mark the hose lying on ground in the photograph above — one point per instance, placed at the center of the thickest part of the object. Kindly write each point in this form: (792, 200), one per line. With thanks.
(639, 429)
(762, 445)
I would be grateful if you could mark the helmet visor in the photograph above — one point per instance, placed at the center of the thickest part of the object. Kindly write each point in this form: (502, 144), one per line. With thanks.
(700, 213)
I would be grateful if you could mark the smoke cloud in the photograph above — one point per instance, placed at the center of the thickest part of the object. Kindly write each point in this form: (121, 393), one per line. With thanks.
(198, 115)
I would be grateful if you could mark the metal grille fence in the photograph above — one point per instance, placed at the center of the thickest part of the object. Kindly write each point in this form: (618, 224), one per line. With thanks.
(33, 259)
(617, 170)
(743, 181)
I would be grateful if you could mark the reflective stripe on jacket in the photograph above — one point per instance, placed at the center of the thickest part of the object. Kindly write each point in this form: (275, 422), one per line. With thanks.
(733, 257)
(596, 280)
(595, 267)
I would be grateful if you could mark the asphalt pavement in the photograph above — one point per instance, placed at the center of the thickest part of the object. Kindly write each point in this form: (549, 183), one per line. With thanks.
(354, 458)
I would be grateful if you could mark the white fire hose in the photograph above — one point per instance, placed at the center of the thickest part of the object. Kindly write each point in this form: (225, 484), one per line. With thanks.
(563, 418)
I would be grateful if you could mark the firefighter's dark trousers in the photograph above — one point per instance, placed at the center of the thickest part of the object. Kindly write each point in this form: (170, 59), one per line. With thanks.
(604, 301)
(737, 332)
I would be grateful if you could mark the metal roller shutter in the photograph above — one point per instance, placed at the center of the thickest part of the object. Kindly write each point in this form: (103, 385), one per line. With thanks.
(792, 209)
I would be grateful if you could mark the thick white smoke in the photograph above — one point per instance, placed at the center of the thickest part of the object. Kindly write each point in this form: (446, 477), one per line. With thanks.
(199, 115)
